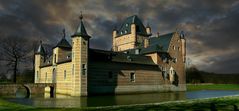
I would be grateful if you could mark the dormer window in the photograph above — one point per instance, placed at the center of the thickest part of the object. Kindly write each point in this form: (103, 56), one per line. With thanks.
(121, 32)
(125, 31)
(137, 51)
(129, 58)
(126, 25)
(68, 57)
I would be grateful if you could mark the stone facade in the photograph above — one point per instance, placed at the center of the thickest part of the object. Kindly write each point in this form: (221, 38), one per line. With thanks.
(139, 63)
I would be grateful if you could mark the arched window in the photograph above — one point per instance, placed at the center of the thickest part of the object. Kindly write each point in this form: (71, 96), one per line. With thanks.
(54, 75)
(132, 77)
(171, 74)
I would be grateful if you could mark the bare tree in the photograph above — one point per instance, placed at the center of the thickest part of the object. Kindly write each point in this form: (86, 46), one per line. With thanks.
(14, 50)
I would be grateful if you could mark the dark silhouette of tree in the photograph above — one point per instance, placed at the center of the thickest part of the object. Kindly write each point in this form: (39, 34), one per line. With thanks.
(14, 50)
(193, 75)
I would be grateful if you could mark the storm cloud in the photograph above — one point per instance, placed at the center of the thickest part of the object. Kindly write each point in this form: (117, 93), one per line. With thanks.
(211, 27)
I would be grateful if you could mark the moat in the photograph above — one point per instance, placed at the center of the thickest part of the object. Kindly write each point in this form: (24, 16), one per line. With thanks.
(68, 101)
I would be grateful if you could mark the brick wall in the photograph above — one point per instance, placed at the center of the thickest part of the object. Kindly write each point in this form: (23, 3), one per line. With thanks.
(148, 78)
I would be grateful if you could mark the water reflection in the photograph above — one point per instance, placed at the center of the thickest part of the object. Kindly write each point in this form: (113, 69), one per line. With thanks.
(209, 94)
(68, 101)
(22, 92)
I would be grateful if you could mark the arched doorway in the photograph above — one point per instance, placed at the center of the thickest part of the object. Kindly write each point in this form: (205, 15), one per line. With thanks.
(23, 92)
(54, 75)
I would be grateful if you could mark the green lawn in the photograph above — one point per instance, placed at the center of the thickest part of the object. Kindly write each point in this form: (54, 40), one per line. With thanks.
(192, 87)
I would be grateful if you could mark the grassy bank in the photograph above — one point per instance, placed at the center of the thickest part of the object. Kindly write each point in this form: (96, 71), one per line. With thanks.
(222, 103)
(192, 87)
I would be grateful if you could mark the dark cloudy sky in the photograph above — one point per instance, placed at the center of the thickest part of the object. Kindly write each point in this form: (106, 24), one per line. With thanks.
(211, 26)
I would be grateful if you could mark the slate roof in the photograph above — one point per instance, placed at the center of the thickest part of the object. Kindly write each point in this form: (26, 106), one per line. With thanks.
(40, 49)
(156, 44)
(126, 26)
(47, 62)
(63, 44)
(106, 56)
(81, 31)
(159, 44)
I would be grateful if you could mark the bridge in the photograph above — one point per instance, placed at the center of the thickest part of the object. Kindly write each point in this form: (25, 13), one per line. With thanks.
(31, 89)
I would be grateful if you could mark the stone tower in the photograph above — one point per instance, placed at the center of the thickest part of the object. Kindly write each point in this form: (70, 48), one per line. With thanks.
(130, 35)
(40, 55)
(80, 46)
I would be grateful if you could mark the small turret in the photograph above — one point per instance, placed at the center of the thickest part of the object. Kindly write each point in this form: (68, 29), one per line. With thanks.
(40, 50)
(40, 56)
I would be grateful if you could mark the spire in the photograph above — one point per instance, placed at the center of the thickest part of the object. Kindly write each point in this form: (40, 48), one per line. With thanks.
(64, 33)
(40, 49)
(63, 43)
(81, 31)
(147, 26)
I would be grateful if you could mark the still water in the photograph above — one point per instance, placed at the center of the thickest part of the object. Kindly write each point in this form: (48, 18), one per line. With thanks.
(67, 101)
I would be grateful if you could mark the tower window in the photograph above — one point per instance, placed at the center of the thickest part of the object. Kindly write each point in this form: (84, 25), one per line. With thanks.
(83, 69)
(73, 69)
(132, 77)
(37, 75)
(64, 74)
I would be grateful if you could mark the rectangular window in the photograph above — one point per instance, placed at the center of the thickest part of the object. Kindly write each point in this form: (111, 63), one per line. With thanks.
(132, 77)
(54, 58)
(73, 69)
(137, 51)
(37, 75)
(83, 69)
(64, 74)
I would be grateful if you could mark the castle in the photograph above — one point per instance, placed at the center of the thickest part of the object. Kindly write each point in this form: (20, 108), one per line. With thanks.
(137, 63)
